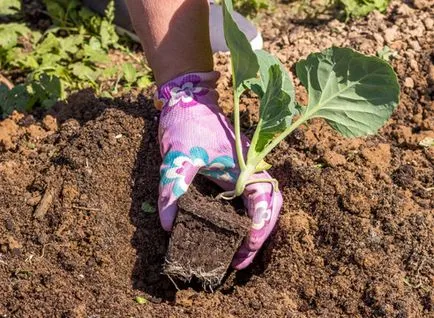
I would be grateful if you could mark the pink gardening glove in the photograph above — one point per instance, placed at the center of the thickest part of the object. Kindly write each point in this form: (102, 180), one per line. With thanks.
(195, 137)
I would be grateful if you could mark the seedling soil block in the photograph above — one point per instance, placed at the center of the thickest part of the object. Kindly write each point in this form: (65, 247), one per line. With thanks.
(206, 235)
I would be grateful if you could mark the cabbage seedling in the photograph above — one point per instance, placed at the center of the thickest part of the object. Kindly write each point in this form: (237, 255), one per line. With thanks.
(354, 93)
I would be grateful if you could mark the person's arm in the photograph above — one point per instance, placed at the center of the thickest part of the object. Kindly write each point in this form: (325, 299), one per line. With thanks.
(194, 135)
(174, 35)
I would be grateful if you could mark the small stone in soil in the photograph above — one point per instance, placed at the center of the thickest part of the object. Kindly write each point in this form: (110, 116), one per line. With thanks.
(409, 82)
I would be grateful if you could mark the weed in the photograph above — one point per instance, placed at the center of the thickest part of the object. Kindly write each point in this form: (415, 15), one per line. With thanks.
(72, 54)
(360, 8)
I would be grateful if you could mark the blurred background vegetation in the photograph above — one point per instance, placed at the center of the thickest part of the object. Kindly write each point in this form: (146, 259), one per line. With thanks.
(50, 48)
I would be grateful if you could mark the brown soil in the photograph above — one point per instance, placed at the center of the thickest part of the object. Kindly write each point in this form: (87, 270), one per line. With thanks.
(355, 238)
(205, 237)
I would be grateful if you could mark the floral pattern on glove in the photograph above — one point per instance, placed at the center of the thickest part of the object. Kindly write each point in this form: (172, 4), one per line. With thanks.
(176, 167)
(183, 94)
(262, 215)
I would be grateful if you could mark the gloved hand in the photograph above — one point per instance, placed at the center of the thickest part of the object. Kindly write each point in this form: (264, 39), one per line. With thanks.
(195, 137)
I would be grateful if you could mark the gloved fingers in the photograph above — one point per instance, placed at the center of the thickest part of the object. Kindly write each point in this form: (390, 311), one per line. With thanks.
(264, 209)
(264, 221)
(177, 172)
(263, 204)
(243, 258)
(222, 171)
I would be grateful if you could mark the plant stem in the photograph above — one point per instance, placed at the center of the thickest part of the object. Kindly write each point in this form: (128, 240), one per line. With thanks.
(250, 168)
(246, 171)
(279, 138)
(238, 144)
(243, 179)
(254, 139)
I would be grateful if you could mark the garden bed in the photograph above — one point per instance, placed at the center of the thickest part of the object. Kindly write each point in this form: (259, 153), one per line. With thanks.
(354, 238)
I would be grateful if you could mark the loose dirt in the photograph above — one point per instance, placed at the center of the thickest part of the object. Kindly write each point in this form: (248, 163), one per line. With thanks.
(355, 238)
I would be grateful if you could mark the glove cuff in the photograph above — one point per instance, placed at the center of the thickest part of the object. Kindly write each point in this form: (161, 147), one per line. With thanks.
(187, 90)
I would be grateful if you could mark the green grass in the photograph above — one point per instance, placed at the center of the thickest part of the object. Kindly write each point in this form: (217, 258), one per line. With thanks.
(72, 54)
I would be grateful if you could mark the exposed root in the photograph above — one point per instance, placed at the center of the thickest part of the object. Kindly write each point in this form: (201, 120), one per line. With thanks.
(209, 279)
(227, 195)
(173, 282)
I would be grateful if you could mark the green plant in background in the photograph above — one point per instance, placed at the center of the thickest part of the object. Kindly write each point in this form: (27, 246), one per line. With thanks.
(45, 90)
(344, 9)
(249, 7)
(386, 53)
(354, 93)
(361, 8)
(73, 53)
(9, 7)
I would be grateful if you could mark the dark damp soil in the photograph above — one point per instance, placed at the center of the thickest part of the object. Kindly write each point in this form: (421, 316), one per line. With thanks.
(206, 235)
(355, 238)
